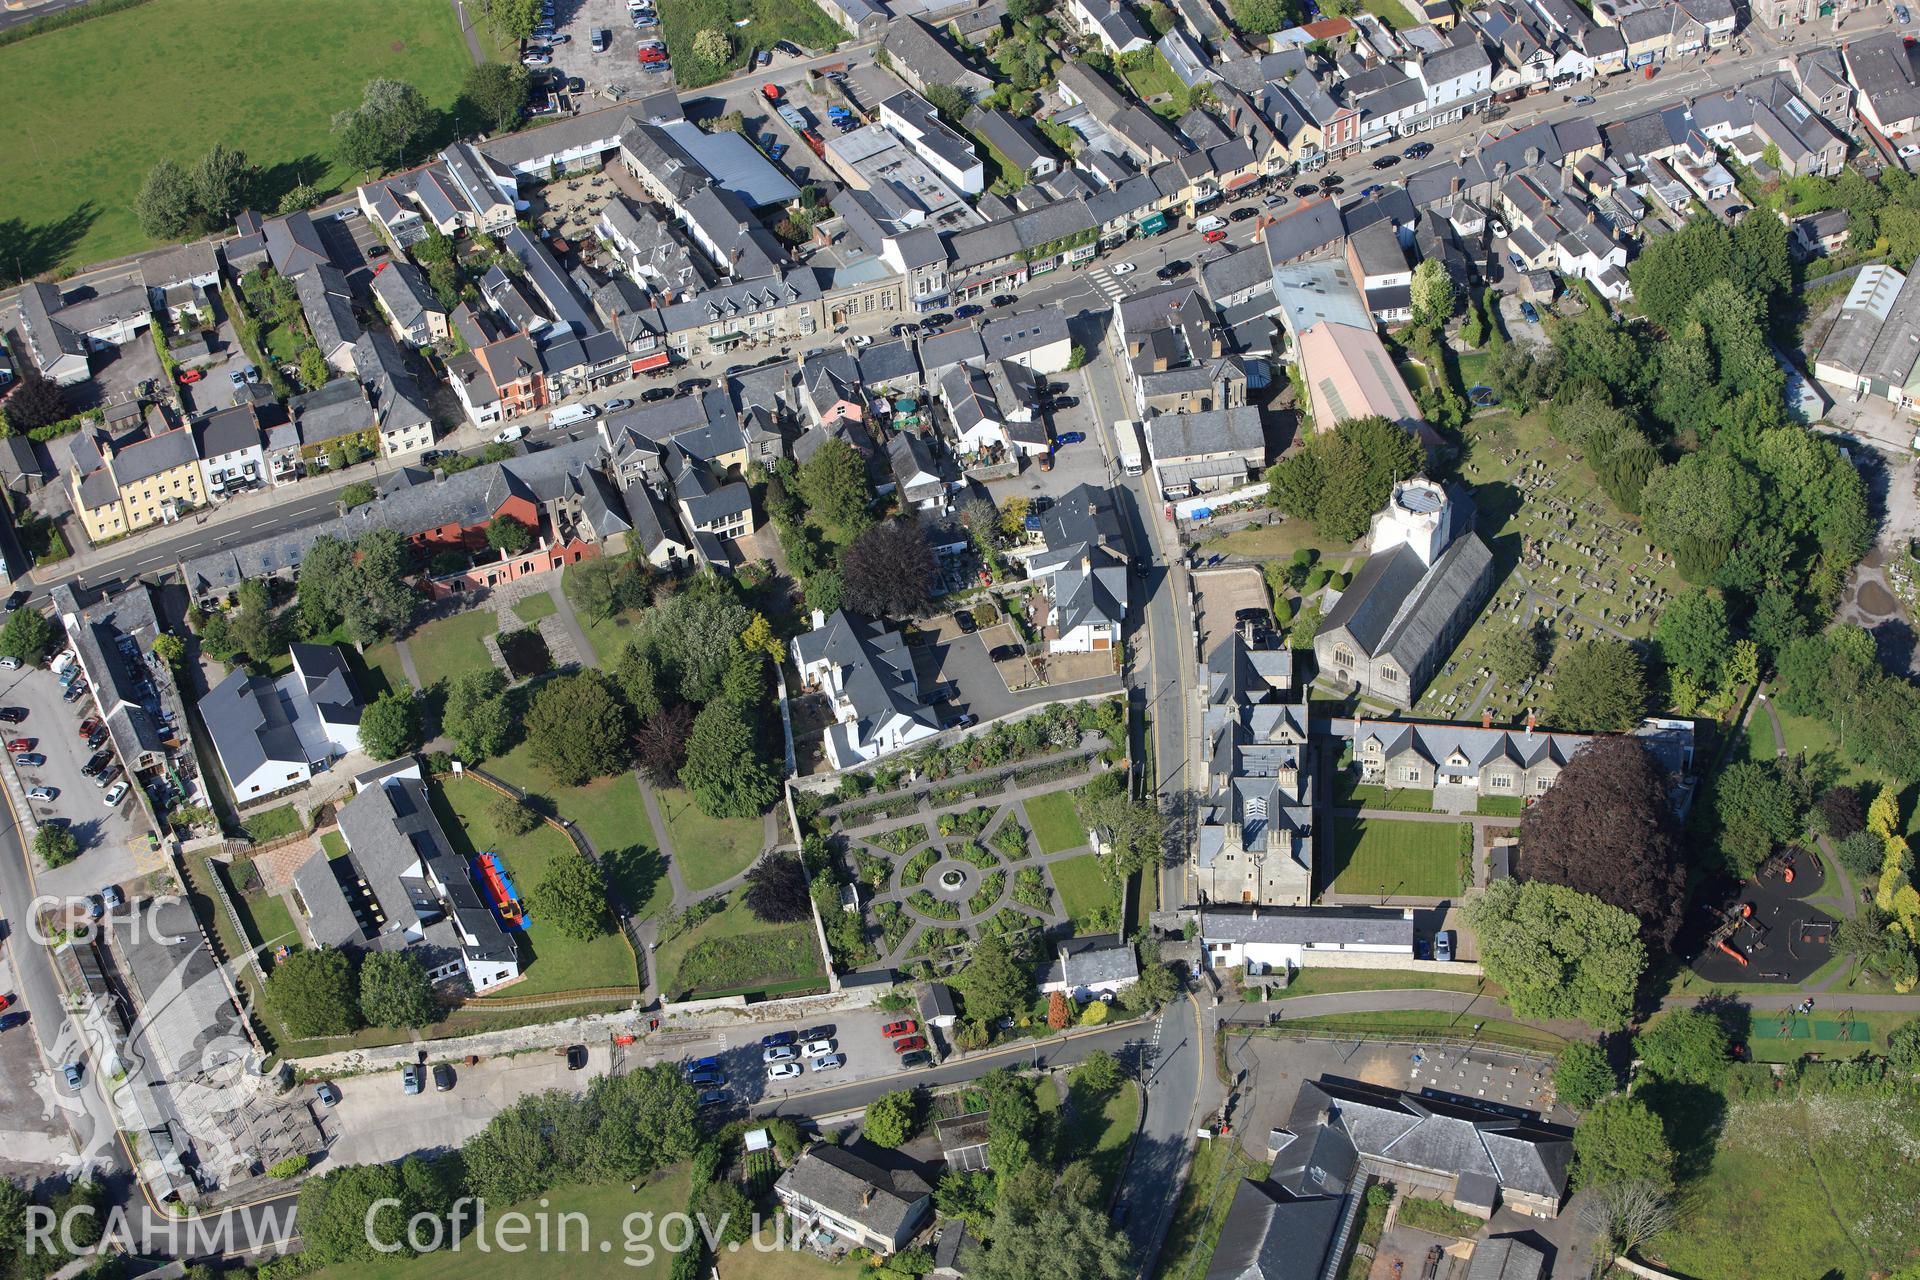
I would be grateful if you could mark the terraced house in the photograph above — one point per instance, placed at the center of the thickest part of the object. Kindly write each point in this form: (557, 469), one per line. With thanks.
(120, 487)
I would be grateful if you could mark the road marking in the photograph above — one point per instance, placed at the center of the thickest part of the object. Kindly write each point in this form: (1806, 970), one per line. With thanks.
(1108, 286)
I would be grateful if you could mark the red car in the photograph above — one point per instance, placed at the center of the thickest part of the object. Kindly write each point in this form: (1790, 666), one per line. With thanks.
(19, 745)
(909, 1043)
(652, 55)
(88, 725)
(904, 1027)
(191, 376)
(6, 1001)
(1216, 234)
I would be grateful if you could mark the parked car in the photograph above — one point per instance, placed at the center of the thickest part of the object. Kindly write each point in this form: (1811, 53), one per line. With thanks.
(88, 725)
(1531, 312)
(1305, 189)
(965, 720)
(1901, 15)
(16, 1019)
(1007, 652)
(653, 395)
(1386, 162)
(1003, 299)
(1418, 151)
(1214, 236)
(1178, 267)
(75, 691)
(190, 376)
(829, 1062)
(73, 1074)
(938, 320)
(904, 1027)
(411, 1079)
(1369, 192)
(1443, 945)
(19, 745)
(442, 1078)
(779, 1053)
(107, 775)
(708, 1077)
(1242, 214)
(619, 406)
(785, 1070)
(964, 620)
(778, 1039)
(818, 1048)
(30, 760)
(1125, 268)
(693, 384)
(329, 1095)
(711, 1098)
(1068, 437)
(1274, 201)
(1582, 100)
(907, 1044)
(1067, 402)
(532, 58)
(9, 663)
(968, 311)
(917, 1058)
(376, 251)
(904, 328)
(15, 600)
(116, 793)
(12, 715)
(507, 435)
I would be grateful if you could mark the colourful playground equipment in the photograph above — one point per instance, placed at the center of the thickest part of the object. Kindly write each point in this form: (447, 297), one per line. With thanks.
(506, 900)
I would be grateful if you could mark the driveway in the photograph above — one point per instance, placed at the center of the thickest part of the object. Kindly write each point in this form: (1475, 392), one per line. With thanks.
(1517, 325)
(377, 1121)
(951, 656)
(105, 836)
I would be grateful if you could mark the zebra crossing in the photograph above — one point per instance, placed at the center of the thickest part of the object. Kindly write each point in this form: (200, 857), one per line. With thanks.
(1108, 286)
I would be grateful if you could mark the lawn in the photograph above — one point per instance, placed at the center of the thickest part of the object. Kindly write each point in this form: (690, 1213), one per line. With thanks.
(559, 963)
(452, 646)
(536, 607)
(709, 850)
(612, 815)
(1405, 859)
(1820, 1185)
(608, 636)
(733, 953)
(1391, 12)
(273, 824)
(92, 107)
(1315, 981)
(1055, 822)
(768, 21)
(606, 1209)
(381, 669)
(272, 922)
(1150, 77)
(1097, 1129)
(1086, 895)
(1273, 541)
(1442, 1220)
(335, 844)
(1420, 1026)
(1212, 1181)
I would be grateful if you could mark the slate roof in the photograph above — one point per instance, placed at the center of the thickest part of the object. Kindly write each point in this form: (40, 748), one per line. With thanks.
(335, 409)
(1311, 227)
(156, 454)
(1270, 1234)
(1092, 961)
(1402, 607)
(328, 305)
(184, 262)
(1355, 926)
(293, 243)
(403, 290)
(876, 670)
(883, 1202)
(1172, 437)
(1447, 1136)
(1505, 1258)
(229, 431)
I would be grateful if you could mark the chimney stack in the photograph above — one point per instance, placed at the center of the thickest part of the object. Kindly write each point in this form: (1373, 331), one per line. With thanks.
(1486, 718)
(1531, 721)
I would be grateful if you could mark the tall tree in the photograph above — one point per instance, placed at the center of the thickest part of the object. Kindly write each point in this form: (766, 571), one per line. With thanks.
(477, 716)
(726, 771)
(1606, 828)
(1598, 687)
(390, 726)
(834, 483)
(224, 182)
(315, 993)
(394, 991)
(508, 536)
(572, 896)
(692, 634)
(660, 748)
(1559, 953)
(1340, 478)
(1755, 810)
(997, 981)
(384, 129)
(1622, 1140)
(1582, 1076)
(891, 1118)
(777, 890)
(1432, 292)
(579, 728)
(1686, 1046)
(167, 203)
(1693, 635)
(889, 570)
(33, 403)
(496, 93)
(1514, 653)
(28, 635)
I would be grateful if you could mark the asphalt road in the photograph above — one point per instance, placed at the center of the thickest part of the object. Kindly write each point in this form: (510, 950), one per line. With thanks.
(13, 17)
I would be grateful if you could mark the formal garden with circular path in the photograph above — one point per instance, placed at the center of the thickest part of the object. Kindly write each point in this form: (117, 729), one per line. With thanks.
(943, 875)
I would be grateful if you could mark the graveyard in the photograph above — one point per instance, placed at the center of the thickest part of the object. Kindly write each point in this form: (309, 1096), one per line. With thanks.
(1565, 559)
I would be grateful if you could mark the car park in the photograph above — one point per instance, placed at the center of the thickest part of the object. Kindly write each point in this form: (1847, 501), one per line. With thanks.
(107, 776)
(116, 793)
(75, 691)
(908, 1043)
(30, 760)
(411, 1079)
(88, 725)
(784, 1070)
(703, 1064)
(904, 1027)
(829, 1062)
(779, 1053)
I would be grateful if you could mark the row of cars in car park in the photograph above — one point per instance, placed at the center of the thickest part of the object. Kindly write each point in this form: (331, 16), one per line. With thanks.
(788, 1055)
(103, 769)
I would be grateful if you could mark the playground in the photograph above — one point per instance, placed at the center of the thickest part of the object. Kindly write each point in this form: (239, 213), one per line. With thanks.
(1763, 930)
(491, 873)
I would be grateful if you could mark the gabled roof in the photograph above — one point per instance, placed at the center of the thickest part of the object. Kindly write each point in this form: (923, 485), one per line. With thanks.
(856, 1190)
(1270, 1234)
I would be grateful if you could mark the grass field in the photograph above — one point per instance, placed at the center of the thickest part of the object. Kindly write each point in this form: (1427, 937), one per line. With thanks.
(273, 824)
(1424, 1024)
(90, 108)
(606, 1208)
(1056, 825)
(733, 952)
(559, 963)
(1218, 1166)
(612, 815)
(1817, 1185)
(1275, 541)
(381, 671)
(1085, 891)
(709, 850)
(1381, 856)
(1317, 982)
(1096, 1129)
(768, 21)
(536, 607)
(452, 646)
(608, 636)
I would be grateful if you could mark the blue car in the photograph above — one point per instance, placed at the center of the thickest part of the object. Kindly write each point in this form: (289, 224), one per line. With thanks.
(1068, 437)
(706, 1078)
(703, 1064)
(1901, 14)
(969, 311)
(779, 1038)
(1528, 310)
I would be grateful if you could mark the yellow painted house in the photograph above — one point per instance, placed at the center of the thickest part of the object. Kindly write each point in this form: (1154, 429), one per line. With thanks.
(124, 487)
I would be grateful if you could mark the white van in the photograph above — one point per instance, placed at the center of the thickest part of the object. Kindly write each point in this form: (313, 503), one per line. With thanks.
(567, 415)
(507, 435)
(1209, 224)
